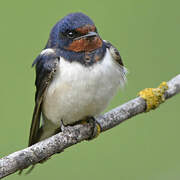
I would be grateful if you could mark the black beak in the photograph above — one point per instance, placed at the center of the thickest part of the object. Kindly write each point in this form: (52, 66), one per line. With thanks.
(90, 34)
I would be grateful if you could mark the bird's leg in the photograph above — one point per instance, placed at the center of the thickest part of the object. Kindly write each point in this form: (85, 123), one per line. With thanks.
(62, 127)
(96, 129)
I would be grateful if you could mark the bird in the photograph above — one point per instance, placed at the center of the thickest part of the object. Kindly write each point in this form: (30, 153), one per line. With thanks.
(77, 74)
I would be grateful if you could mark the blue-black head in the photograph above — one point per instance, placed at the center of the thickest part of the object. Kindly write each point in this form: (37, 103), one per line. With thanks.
(75, 32)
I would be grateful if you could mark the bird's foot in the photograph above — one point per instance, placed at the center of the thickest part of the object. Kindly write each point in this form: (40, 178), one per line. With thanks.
(154, 96)
(96, 129)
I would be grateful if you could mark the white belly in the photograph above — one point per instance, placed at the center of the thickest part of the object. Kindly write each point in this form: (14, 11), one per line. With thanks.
(77, 91)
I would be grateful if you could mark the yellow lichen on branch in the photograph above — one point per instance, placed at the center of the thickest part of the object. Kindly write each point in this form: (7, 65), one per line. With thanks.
(154, 96)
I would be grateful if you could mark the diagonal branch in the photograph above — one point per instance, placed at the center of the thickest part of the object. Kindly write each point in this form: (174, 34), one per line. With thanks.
(75, 134)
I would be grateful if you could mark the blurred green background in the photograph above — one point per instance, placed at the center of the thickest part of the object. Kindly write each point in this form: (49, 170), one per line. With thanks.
(147, 33)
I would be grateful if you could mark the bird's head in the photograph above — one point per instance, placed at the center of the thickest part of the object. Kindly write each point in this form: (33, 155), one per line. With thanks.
(75, 32)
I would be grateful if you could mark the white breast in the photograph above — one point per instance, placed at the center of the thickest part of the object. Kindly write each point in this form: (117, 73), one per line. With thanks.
(78, 91)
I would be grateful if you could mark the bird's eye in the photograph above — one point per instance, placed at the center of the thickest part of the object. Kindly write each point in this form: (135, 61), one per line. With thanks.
(71, 34)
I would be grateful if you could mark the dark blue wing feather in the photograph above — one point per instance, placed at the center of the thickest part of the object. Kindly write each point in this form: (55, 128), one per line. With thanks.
(46, 64)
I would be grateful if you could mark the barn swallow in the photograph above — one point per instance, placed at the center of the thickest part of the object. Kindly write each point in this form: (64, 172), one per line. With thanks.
(77, 74)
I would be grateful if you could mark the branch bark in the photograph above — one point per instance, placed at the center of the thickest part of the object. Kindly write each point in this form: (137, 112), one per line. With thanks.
(75, 134)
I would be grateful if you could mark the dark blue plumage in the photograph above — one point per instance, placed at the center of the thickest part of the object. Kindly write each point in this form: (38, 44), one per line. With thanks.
(58, 42)
(69, 22)
(45, 64)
